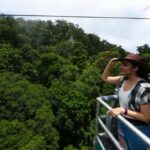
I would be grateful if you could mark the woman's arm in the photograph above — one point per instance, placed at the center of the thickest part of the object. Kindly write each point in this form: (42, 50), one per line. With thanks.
(106, 77)
(144, 115)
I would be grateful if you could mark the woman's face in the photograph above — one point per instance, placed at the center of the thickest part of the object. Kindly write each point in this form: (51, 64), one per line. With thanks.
(127, 68)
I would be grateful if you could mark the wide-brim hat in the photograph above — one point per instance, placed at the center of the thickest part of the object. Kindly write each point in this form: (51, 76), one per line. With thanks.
(138, 60)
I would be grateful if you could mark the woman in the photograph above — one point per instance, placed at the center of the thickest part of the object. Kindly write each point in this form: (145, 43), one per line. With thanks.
(134, 98)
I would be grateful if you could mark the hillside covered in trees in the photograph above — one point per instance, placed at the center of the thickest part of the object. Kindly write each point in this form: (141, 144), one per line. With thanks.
(50, 76)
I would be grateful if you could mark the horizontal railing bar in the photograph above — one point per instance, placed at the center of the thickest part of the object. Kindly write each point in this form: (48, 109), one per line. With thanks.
(110, 134)
(128, 124)
(103, 103)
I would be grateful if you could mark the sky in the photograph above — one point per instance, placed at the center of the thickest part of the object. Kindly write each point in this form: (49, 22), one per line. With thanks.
(129, 34)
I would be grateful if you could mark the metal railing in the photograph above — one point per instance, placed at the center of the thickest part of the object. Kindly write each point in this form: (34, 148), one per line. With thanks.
(99, 122)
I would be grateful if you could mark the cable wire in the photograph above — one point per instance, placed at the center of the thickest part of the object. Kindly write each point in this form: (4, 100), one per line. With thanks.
(69, 16)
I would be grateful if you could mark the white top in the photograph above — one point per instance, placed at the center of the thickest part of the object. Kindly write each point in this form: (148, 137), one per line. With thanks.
(124, 97)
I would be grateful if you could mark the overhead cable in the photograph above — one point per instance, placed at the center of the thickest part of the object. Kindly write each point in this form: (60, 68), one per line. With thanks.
(71, 16)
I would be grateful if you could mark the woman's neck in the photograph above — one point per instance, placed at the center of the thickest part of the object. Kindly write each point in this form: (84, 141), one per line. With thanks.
(132, 78)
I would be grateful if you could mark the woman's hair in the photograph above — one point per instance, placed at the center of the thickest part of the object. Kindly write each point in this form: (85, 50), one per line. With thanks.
(140, 71)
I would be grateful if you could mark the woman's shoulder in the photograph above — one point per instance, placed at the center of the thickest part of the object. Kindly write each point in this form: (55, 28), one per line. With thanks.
(144, 89)
(121, 79)
(144, 84)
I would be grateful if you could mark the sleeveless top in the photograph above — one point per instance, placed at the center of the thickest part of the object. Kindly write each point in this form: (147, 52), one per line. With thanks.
(124, 97)
(139, 95)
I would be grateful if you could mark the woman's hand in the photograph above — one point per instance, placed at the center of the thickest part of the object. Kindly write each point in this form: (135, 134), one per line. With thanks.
(116, 111)
(106, 74)
(112, 61)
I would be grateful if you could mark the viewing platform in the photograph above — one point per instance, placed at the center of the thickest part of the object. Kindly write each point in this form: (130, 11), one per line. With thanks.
(107, 140)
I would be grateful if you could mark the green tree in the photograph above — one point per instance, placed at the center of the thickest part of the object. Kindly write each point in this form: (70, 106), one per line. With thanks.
(145, 51)
(15, 135)
(49, 68)
(60, 68)
(72, 111)
(27, 120)
(10, 59)
(8, 32)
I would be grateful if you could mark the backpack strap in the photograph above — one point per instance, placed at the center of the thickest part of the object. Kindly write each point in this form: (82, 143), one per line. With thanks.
(133, 94)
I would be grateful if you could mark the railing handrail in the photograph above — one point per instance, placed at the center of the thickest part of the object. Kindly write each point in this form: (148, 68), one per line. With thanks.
(127, 123)
(116, 143)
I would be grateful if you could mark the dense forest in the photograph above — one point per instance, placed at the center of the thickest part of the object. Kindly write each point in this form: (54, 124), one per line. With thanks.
(50, 76)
